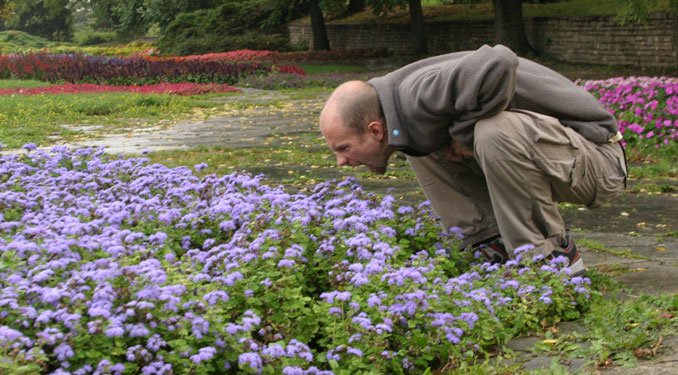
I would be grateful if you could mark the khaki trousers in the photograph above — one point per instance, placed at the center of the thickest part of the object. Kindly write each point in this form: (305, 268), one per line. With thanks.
(524, 164)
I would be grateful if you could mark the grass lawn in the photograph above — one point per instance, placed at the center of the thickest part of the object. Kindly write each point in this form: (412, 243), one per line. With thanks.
(44, 119)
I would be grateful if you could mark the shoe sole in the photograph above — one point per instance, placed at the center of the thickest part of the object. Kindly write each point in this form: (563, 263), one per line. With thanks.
(578, 268)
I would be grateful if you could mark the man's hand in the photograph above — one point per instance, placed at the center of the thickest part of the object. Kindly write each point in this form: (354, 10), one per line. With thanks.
(456, 153)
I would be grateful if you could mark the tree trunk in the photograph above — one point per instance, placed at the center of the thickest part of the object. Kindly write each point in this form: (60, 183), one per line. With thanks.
(509, 26)
(418, 27)
(355, 6)
(320, 40)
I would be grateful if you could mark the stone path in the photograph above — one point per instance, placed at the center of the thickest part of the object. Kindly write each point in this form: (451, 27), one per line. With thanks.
(267, 113)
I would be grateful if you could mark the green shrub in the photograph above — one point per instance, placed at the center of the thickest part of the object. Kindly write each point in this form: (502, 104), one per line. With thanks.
(12, 41)
(226, 28)
(91, 37)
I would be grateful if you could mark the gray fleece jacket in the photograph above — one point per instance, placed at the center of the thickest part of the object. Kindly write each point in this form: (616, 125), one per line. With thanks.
(429, 102)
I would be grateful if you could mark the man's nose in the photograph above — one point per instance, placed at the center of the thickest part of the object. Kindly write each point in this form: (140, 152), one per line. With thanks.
(341, 160)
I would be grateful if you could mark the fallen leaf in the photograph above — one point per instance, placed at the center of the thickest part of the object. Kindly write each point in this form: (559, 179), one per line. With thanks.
(643, 353)
(660, 248)
(550, 341)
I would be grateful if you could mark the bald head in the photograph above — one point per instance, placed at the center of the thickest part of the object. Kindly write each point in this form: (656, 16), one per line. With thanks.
(354, 127)
(353, 104)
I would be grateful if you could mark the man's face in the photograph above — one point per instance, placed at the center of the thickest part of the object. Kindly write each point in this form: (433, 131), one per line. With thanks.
(350, 148)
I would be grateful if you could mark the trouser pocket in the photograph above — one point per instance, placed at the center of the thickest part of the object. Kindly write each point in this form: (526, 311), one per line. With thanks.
(564, 157)
(612, 175)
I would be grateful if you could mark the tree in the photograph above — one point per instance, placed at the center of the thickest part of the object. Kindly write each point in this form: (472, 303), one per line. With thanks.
(126, 17)
(251, 24)
(51, 19)
(162, 12)
(355, 6)
(509, 26)
(418, 26)
(417, 22)
(320, 40)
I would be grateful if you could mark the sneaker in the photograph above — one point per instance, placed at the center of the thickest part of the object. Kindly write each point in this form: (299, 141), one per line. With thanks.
(572, 254)
(494, 251)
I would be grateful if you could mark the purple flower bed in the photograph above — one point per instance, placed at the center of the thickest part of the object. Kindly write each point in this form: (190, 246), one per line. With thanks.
(646, 107)
(113, 265)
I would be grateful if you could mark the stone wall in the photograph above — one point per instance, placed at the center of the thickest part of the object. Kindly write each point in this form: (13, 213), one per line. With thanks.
(599, 40)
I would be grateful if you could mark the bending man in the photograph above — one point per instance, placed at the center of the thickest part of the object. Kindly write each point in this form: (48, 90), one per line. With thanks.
(496, 141)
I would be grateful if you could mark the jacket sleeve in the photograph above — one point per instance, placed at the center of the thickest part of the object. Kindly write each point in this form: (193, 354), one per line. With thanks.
(463, 91)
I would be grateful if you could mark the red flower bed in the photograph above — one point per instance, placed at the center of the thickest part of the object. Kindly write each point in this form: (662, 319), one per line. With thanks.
(226, 67)
(279, 57)
(239, 55)
(161, 88)
(125, 71)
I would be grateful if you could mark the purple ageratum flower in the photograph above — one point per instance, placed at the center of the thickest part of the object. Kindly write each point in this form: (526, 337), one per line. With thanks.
(84, 370)
(363, 320)
(293, 370)
(546, 296)
(250, 319)
(373, 300)
(513, 284)
(274, 350)
(114, 331)
(157, 368)
(354, 351)
(203, 355)
(469, 318)
(286, 263)
(329, 297)
(232, 278)
(213, 298)
(401, 275)
(103, 366)
(404, 210)
(441, 319)
(233, 329)
(117, 369)
(29, 146)
(137, 330)
(359, 279)
(158, 238)
(250, 360)
(299, 349)
(9, 335)
(155, 343)
(199, 327)
(525, 289)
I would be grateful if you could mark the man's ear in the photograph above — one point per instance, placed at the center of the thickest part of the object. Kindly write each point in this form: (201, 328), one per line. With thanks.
(375, 129)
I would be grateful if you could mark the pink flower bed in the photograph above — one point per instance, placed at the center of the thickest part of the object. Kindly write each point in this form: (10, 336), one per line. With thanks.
(160, 88)
(646, 107)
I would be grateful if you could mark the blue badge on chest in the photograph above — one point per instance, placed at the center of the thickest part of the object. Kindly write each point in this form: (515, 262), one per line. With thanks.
(395, 132)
